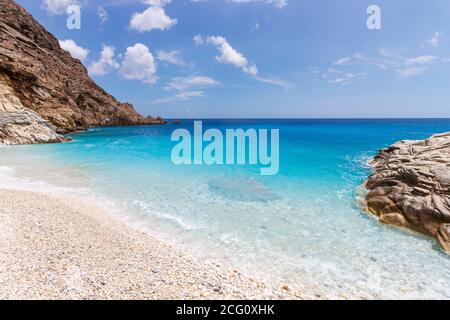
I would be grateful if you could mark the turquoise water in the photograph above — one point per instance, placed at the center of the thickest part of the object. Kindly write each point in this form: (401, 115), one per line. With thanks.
(301, 226)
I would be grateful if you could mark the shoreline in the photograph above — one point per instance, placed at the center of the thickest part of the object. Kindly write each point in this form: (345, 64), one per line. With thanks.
(55, 247)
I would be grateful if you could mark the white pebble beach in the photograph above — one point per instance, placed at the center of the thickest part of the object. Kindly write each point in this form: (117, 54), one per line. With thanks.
(55, 247)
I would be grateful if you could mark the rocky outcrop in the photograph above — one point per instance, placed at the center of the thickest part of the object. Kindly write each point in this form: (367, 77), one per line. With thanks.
(20, 125)
(48, 81)
(410, 187)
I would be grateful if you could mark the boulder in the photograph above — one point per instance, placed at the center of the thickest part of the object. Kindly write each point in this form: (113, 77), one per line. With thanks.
(410, 187)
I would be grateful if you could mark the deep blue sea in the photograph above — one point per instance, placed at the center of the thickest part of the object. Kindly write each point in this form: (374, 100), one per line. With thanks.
(302, 226)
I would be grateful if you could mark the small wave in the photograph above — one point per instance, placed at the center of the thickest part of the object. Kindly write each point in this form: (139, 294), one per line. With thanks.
(229, 238)
(125, 214)
(146, 208)
(9, 180)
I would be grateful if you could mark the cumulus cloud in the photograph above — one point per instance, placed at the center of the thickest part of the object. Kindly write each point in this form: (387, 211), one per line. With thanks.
(154, 17)
(57, 7)
(139, 64)
(75, 51)
(228, 55)
(105, 64)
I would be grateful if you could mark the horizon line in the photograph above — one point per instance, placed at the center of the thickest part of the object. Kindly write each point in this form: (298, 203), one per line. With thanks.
(312, 118)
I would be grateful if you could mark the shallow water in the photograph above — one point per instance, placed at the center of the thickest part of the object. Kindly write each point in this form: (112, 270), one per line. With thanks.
(302, 225)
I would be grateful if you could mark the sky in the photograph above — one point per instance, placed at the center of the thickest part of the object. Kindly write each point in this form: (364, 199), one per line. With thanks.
(262, 58)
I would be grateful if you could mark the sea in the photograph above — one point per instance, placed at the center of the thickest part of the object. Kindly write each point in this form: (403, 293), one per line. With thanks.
(303, 226)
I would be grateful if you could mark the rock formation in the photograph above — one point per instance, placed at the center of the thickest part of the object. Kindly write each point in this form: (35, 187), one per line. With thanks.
(53, 90)
(410, 187)
(20, 125)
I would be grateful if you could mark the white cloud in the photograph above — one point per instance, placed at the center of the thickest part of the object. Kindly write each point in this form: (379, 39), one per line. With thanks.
(342, 61)
(404, 67)
(185, 83)
(421, 60)
(172, 57)
(275, 81)
(435, 40)
(139, 64)
(342, 81)
(198, 40)
(277, 3)
(183, 96)
(410, 72)
(188, 88)
(57, 7)
(228, 55)
(347, 78)
(105, 64)
(358, 56)
(157, 3)
(154, 17)
(75, 51)
(102, 14)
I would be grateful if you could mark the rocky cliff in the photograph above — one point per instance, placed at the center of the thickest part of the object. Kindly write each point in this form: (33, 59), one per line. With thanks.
(20, 125)
(410, 187)
(43, 80)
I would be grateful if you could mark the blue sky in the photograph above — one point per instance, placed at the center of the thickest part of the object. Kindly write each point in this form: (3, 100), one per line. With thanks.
(262, 58)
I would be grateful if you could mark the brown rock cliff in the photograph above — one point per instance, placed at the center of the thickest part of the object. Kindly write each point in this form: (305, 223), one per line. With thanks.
(47, 80)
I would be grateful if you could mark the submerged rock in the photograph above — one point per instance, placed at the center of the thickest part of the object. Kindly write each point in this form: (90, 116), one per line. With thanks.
(50, 85)
(410, 187)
